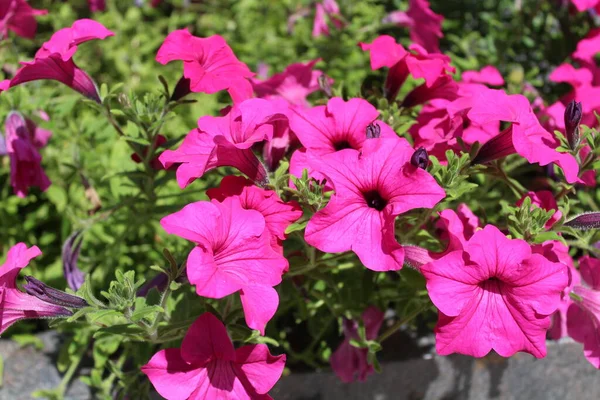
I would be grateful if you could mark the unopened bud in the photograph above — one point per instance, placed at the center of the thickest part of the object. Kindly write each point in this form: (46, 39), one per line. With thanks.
(420, 158)
(373, 131)
(50, 295)
(573, 114)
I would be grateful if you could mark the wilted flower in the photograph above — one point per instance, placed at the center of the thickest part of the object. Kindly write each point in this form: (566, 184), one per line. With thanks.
(51, 295)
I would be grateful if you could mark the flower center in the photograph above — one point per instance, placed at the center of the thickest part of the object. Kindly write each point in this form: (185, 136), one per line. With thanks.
(374, 200)
(341, 145)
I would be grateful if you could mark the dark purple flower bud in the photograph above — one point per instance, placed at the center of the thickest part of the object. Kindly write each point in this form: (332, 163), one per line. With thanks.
(182, 89)
(70, 254)
(373, 131)
(159, 282)
(498, 147)
(325, 85)
(585, 221)
(420, 158)
(50, 295)
(573, 114)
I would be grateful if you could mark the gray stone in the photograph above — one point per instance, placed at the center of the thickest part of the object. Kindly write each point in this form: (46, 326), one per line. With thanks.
(563, 374)
(27, 369)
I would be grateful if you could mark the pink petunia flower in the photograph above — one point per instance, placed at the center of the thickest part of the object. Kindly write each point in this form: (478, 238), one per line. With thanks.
(525, 136)
(97, 5)
(209, 64)
(278, 214)
(25, 161)
(456, 228)
(543, 199)
(489, 75)
(294, 84)
(424, 25)
(53, 60)
(348, 362)
(372, 187)
(324, 11)
(18, 16)
(207, 366)
(494, 295)
(583, 5)
(14, 304)
(583, 315)
(225, 141)
(233, 253)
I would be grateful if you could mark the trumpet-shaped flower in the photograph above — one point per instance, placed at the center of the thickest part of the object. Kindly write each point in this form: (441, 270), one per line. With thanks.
(348, 362)
(371, 187)
(207, 366)
(208, 63)
(14, 304)
(18, 16)
(25, 161)
(278, 214)
(425, 26)
(225, 141)
(232, 254)
(494, 295)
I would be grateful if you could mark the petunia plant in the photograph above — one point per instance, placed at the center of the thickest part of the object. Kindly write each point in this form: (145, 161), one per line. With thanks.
(316, 178)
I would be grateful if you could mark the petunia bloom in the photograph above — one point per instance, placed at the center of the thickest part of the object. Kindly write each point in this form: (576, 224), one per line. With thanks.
(544, 199)
(425, 26)
(207, 366)
(233, 253)
(14, 304)
(494, 295)
(18, 16)
(209, 64)
(25, 161)
(97, 5)
(348, 362)
(54, 61)
(278, 214)
(327, 9)
(371, 188)
(583, 316)
(225, 141)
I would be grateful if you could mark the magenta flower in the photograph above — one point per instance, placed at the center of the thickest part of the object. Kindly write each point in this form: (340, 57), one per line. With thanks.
(209, 64)
(25, 161)
(207, 366)
(278, 214)
(525, 136)
(583, 316)
(294, 84)
(233, 253)
(225, 141)
(494, 295)
(328, 9)
(348, 362)
(97, 5)
(583, 5)
(489, 75)
(543, 199)
(385, 52)
(18, 16)
(327, 129)
(456, 228)
(424, 25)
(53, 60)
(372, 187)
(14, 304)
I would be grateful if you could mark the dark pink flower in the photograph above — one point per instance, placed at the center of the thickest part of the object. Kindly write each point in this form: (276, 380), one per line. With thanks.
(456, 228)
(278, 215)
(324, 11)
(588, 47)
(424, 25)
(543, 199)
(97, 5)
(159, 141)
(372, 187)
(348, 362)
(53, 60)
(225, 141)
(488, 75)
(25, 160)
(207, 366)
(337, 126)
(208, 63)
(583, 5)
(233, 253)
(14, 304)
(294, 84)
(18, 16)
(494, 295)
(525, 136)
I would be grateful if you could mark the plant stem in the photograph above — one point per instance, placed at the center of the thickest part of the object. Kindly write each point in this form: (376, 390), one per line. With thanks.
(392, 329)
(64, 383)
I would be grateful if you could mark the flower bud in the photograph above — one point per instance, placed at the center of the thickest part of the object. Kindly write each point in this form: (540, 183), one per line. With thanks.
(373, 131)
(573, 114)
(50, 295)
(420, 158)
(70, 255)
(585, 221)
